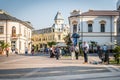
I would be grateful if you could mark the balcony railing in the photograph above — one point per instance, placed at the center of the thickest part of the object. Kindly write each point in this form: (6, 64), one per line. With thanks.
(15, 36)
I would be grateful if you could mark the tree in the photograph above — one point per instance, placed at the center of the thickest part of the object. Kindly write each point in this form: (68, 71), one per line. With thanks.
(67, 39)
(117, 54)
(3, 45)
(51, 43)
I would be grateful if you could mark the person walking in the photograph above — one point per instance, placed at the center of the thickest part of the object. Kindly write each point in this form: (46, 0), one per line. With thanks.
(32, 50)
(76, 52)
(85, 48)
(105, 53)
(57, 53)
(99, 52)
(26, 50)
(7, 52)
(72, 50)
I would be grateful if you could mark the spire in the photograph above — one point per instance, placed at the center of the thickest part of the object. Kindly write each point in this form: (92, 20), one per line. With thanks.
(58, 16)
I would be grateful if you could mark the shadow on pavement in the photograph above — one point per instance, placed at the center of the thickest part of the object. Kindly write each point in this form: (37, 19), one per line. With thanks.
(50, 71)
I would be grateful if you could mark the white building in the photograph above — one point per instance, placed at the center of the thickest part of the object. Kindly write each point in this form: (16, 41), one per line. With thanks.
(118, 29)
(15, 32)
(95, 25)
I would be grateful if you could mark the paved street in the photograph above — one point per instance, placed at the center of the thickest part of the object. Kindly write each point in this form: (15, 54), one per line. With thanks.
(41, 67)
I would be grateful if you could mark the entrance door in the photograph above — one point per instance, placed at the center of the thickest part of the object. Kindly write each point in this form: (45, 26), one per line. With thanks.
(13, 45)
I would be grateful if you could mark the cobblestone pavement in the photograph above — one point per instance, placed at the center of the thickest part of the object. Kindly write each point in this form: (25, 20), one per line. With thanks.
(41, 67)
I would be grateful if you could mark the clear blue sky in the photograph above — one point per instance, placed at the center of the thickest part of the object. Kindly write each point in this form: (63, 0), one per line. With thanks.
(41, 13)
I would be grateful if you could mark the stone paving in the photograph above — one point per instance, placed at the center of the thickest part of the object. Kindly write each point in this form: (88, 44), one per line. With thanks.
(41, 67)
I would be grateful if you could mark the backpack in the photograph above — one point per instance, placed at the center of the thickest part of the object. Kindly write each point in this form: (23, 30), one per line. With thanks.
(76, 49)
(71, 48)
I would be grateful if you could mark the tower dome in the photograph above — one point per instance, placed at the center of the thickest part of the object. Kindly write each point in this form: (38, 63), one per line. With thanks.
(58, 19)
(58, 16)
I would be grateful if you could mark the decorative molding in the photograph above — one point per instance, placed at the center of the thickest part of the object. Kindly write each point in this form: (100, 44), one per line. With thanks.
(74, 22)
(102, 22)
(90, 22)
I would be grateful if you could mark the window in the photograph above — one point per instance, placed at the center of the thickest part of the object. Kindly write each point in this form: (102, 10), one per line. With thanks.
(64, 30)
(59, 37)
(74, 28)
(1, 29)
(59, 29)
(24, 32)
(119, 29)
(53, 30)
(20, 44)
(39, 39)
(102, 27)
(29, 34)
(90, 28)
(13, 31)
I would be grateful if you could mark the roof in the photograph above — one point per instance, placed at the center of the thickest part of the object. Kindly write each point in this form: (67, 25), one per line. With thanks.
(99, 13)
(42, 31)
(5, 16)
(58, 16)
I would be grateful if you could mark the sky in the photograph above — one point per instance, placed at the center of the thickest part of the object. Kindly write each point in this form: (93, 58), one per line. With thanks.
(41, 13)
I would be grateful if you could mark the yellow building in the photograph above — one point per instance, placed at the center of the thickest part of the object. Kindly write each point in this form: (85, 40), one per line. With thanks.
(55, 33)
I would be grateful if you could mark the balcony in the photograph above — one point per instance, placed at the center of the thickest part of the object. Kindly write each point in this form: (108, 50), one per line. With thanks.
(15, 36)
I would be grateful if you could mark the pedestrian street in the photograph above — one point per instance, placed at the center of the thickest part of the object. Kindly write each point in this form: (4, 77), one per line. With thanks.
(41, 67)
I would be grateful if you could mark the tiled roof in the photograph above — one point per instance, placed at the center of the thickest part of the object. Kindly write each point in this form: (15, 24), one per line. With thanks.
(99, 13)
(6, 16)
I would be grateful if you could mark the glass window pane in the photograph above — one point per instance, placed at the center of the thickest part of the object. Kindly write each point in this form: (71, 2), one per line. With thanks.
(89, 27)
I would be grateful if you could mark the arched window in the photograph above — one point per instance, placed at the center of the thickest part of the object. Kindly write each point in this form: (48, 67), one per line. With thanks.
(59, 37)
(13, 31)
(102, 25)
(74, 28)
(74, 23)
(90, 26)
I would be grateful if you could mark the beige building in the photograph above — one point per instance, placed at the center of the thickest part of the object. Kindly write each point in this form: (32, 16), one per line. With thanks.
(15, 32)
(55, 33)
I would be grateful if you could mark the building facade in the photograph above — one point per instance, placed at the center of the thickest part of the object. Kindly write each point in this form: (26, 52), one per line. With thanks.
(54, 33)
(95, 25)
(15, 32)
(118, 28)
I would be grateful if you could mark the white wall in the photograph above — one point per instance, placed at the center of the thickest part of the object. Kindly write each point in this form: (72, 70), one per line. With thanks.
(19, 30)
(96, 35)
